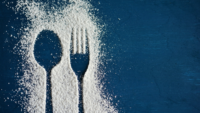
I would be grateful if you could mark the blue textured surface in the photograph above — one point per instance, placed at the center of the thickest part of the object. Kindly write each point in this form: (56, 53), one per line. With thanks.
(155, 50)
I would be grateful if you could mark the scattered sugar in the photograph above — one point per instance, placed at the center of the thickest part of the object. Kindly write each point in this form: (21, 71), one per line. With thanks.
(76, 14)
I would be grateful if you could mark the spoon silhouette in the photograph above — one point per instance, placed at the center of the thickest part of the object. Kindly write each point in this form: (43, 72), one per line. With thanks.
(48, 53)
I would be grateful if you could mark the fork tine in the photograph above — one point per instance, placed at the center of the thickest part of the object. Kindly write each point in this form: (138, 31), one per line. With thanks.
(74, 41)
(71, 42)
(83, 40)
(87, 41)
(79, 40)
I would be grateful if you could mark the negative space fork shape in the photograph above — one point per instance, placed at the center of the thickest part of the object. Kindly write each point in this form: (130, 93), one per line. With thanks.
(79, 58)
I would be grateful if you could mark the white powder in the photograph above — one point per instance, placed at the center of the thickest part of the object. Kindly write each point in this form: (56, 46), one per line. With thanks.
(61, 20)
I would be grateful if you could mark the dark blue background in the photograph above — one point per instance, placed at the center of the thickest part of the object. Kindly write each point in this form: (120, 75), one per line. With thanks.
(155, 50)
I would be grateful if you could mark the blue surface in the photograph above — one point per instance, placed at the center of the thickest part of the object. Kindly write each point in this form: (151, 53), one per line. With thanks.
(155, 51)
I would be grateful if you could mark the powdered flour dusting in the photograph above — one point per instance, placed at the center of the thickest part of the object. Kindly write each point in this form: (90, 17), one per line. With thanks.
(61, 20)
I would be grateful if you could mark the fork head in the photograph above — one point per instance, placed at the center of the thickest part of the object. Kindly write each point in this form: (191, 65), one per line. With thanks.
(79, 53)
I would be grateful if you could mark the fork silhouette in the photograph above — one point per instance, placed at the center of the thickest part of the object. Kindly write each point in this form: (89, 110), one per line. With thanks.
(79, 56)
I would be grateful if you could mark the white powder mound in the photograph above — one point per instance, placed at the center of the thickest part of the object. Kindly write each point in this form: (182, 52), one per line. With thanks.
(65, 99)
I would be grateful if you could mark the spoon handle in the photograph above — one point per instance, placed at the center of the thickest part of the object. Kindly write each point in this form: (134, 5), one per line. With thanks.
(49, 108)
